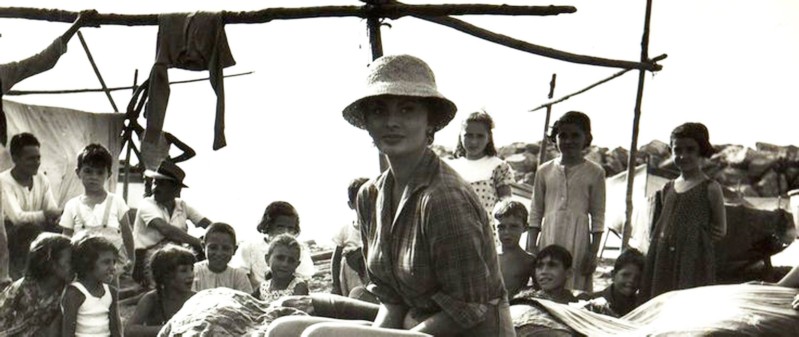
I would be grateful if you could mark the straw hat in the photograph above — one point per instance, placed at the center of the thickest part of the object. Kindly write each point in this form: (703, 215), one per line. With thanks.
(401, 75)
(168, 171)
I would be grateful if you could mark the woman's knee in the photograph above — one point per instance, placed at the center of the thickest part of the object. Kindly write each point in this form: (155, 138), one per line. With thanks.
(292, 325)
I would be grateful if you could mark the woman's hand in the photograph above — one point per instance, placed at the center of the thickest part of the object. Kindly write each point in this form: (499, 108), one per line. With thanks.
(300, 302)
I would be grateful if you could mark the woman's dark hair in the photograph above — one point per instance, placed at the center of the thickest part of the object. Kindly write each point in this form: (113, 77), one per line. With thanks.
(577, 118)
(86, 251)
(286, 240)
(630, 256)
(221, 227)
(697, 132)
(274, 210)
(166, 261)
(508, 207)
(21, 140)
(557, 253)
(44, 253)
(485, 119)
(95, 155)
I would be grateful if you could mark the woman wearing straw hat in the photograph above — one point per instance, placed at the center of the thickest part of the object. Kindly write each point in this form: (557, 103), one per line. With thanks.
(427, 240)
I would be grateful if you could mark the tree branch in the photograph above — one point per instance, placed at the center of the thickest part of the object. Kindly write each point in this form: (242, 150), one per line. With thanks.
(391, 11)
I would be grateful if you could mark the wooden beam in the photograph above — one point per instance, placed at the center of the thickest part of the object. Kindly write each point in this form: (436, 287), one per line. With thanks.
(542, 151)
(627, 227)
(510, 42)
(97, 71)
(392, 11)
(78, 91)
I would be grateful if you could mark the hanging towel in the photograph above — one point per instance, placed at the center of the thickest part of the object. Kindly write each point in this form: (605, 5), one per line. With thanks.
(194, 41)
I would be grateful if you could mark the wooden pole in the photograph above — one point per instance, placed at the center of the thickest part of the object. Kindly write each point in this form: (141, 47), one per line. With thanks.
(376, 46)
(510, 42)
(128, 138)
(97, 71)
(392, 11)
(542, 152)
(79, 91)
(627, 229)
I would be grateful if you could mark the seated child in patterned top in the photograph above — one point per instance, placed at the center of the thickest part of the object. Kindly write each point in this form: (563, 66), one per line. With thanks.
(283, 258)
(621, 296)
(552, 269)
(173, 275)
(517, 265)
(214, 272)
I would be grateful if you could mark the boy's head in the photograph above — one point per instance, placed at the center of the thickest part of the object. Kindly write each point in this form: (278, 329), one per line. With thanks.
(511, 221)
(280, 217)
(93, 257)
(24, 149)
(220, 245)
(352, 190)
(627, 272)
(50, 256)
(94, 167)
(552, 266)
(173, 266)
(283, 255)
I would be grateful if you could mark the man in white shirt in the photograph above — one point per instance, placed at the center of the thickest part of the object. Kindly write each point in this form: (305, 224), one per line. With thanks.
(161, 219)
(28, 203)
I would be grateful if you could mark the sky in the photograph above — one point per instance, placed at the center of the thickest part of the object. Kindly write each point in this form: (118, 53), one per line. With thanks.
(731, 65)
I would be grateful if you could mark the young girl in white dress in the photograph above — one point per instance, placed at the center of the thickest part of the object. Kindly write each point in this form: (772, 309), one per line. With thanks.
(283, 258)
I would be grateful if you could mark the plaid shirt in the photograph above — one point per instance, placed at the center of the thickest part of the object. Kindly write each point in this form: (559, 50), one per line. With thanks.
(438, 253)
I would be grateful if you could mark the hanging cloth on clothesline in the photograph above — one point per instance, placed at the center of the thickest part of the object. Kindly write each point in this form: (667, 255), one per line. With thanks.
(195, 41)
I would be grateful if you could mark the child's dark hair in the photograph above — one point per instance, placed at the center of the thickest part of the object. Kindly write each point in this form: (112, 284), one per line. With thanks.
(478, 117)
(577, 118)
(95, 155)
(221, 227)
(20, 141)
(630, 256)
(86, 251)
(355, 186)
(166, 261)
(274, 210)
(697, 132)
(44, 253)
(555, 252)
(508, 207)
(286, 240)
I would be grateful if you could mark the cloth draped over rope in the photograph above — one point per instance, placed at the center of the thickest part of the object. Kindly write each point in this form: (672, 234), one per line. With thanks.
(195, 41)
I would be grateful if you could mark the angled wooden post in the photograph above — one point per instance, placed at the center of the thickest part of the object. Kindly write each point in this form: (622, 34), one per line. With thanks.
(627, 228)
(127, 139)
(97, 71)
(542, 151)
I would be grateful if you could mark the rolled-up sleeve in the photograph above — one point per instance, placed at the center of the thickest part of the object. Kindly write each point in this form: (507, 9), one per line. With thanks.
(456, 238)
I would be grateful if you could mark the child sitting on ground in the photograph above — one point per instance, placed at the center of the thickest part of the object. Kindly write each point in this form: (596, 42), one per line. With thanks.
(89, 305)
(279, 217)
(214, 272)
(621, 296)
(347, 266)
(173, 275)
(283, 258)
(516, 264)
(97, 211)
(552, 269)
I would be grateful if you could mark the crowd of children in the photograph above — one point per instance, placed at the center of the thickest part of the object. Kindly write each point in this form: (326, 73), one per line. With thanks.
(565, 219)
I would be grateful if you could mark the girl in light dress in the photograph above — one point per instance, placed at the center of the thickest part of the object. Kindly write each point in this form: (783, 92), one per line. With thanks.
(283, 258)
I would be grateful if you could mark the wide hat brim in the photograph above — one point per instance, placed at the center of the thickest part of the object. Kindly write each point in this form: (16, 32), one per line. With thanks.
(401, 75)
(158, 175)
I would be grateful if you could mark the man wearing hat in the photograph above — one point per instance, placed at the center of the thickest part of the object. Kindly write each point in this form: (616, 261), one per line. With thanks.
(161, 218)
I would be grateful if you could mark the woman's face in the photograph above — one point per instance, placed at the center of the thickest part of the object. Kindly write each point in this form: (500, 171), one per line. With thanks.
(685, 153)
(475, 136)
(570, 140)
(398, 125)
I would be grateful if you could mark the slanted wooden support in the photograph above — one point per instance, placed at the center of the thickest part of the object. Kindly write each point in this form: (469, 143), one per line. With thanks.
(627, 227)
(542, 151)
(510, 42)
(392, 11)
(97, 71)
